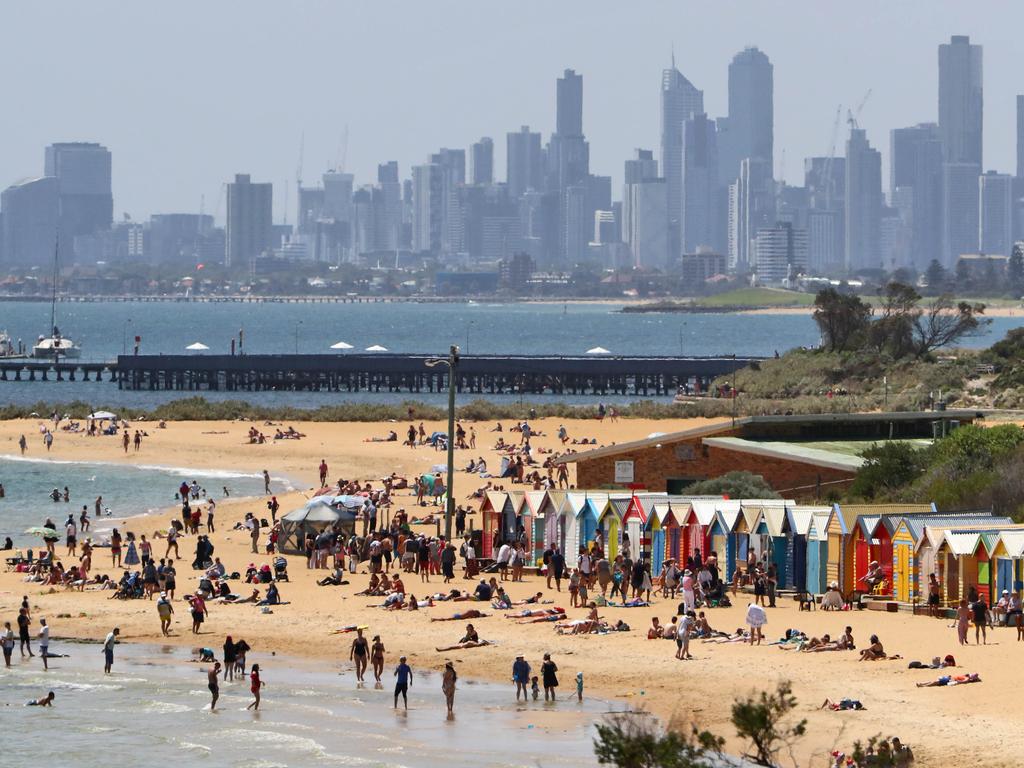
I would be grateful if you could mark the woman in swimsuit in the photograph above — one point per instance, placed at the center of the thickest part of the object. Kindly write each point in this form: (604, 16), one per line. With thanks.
(358, 653)
(212, 684)
(255, 685)
(448, 686)
(377, 657)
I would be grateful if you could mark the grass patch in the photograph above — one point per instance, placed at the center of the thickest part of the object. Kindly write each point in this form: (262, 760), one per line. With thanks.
(757, 297)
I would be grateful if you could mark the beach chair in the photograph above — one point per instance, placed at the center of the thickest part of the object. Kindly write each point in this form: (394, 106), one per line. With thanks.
(881, 588)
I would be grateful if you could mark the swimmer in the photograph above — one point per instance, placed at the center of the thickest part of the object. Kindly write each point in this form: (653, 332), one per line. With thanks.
(46, 701)
(212, 684)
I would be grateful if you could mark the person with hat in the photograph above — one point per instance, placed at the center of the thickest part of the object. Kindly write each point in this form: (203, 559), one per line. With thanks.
(521, 676)
(164, 610)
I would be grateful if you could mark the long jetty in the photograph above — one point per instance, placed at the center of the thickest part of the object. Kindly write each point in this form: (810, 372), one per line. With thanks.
(388, 372)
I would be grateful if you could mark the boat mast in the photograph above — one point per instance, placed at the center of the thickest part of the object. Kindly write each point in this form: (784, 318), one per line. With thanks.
(53, 299)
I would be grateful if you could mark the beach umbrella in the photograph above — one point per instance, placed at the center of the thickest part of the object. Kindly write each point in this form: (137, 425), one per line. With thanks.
(376, 348)
(598, 351)
(40, 530)
(341, 345)
(439, 468)
(196, 347)
(102, 415)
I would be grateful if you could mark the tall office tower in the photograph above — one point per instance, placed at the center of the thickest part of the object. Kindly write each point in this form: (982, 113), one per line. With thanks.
(863, 202)
(576, 224)
(679, 101)
(645, 212)
(29, 215)
(960, 100)
(452, 163)
(995, 214)
(751, 207)
(1020, 137)
(524, 162)
(825, 182)
(390, 225)
(751, 110)
(481, 161)
(569, 104)
(915, 190)
(960, 211)
(309, 210)
(698, 215)
(338, 190)
(427, 189)
(779, 253)
(250, 220)
(83, 178)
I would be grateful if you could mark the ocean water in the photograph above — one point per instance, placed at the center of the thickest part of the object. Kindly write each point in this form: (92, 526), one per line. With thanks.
(106, 329)
(127, 489)
(154, 708)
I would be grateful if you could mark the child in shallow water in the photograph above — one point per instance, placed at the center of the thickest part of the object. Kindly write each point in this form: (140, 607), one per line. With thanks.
(535, 687)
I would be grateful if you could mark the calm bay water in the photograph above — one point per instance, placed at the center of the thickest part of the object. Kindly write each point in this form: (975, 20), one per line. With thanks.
(105, 330)
(127, 489)
(154, 709)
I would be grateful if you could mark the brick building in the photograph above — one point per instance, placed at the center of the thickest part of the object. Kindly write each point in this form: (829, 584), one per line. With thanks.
(798, 456)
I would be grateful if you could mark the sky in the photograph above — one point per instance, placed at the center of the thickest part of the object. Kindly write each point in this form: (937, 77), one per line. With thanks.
(186, 94)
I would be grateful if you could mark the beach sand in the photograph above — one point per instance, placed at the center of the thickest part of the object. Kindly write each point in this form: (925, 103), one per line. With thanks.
(942, 724)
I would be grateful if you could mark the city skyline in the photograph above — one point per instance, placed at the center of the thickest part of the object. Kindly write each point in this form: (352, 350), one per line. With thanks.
(208, 131)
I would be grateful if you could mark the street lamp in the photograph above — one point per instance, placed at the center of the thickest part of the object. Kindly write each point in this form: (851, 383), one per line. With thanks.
(452, 361)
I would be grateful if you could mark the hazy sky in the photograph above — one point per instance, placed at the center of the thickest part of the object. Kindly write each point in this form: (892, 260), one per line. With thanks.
(187, 93)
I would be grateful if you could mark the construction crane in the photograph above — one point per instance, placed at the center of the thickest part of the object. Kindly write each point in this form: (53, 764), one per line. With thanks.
(852, 116)
(343, 150)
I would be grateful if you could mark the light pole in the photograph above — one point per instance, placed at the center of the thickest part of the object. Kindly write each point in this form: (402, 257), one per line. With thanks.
(452, 361)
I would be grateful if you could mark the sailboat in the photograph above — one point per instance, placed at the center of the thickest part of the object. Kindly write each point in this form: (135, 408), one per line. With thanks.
(55, 346)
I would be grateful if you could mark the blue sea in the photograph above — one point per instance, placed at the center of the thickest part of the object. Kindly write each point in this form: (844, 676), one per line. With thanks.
(106, 329)
(127, 489)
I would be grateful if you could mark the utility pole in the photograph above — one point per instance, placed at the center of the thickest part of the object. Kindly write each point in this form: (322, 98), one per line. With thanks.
(452, 361)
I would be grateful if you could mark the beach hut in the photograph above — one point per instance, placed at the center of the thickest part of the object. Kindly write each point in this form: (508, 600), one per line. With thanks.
(817, 551)
(610, 522)
(1008, 555)
(956, 555)
(568, 534)
(905, 539)
(660, 519)
(770, 528)
(839, 567)
(634, 520)
(796, 525)
(697, 528)
(723, 535)
(587, 518)
(496, 510)
(546, 522)
(531, 517)
(872, 542)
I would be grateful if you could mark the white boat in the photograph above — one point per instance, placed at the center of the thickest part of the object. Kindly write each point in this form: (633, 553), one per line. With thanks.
(7, 346)
(55, 346)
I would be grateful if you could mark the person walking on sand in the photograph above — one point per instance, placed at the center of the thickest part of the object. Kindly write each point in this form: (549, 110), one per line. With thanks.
(548, 671)
(756, 618)
(254, 685)
(359, 653)
(164, 610)
(23, 444)
(980, 611)
(213, 683)
(963, 618)
(266, 483)
(108, 649)
(448, 686)
(323, 472)
(403, 679)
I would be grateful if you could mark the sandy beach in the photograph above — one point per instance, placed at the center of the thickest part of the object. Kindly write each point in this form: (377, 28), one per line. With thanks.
(619, 666)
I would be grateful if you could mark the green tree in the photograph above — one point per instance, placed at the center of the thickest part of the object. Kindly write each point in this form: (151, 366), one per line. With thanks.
(842, 318)
(633, 740)
(737, 484)
(764, 719)
(936, 277)
(888, 468)
(893, 330)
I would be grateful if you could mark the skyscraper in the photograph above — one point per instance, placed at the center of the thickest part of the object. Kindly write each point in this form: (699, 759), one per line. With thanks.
(524, 162)
(645, 212)
(427, 186)
(250, 220)
(751, 206)
(680, 99)
(452, 163)
(83, 173)
(995, 214)
(779, 253)
(391, 189)
(568, 168)
(481, 161)
(959, 211)
(915, 189)
(28, 226)
(960, 100)
(569, 104)
(863, 202)
(1020, 137)
(750, 126)
(698, 217)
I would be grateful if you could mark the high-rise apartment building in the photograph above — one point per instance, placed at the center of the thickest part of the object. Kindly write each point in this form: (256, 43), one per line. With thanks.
(83, 173)
(568, 167)
(452, 163)
(29, 216)
(390, 226)
(524, 162)
(915, 190)
(699, 214)
(863, 202)
(960, 211)
(427, 190)
(250, 220)
(995, 214)
(779, 253)
(961, 100)
(569, 104)
(680, 99)
(751, 109)
(481, 161)
(645, 212)
(751, 207)
(1020, 137)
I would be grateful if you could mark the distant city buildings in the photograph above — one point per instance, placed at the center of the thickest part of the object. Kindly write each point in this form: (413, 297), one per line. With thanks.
(707, 199)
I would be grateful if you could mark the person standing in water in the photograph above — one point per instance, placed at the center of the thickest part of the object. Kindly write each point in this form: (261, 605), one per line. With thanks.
(266, 483)
(44, 642)
(254, 685)
(213, 684)
(547, 671)
(403, 675)
(359, 653)
(448, 686)
(377, 658)
(108, 649)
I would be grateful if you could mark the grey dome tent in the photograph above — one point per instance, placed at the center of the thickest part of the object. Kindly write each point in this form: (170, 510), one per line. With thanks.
(313, 518)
